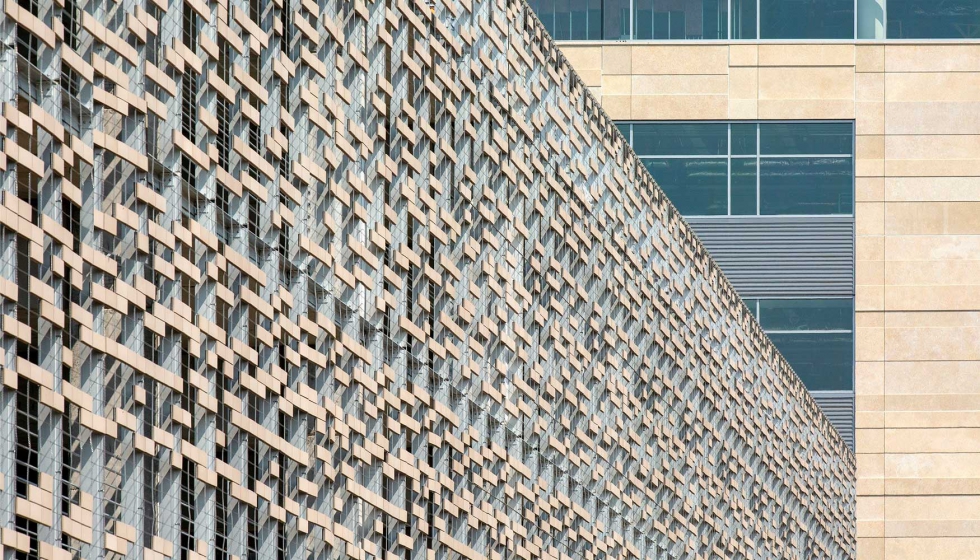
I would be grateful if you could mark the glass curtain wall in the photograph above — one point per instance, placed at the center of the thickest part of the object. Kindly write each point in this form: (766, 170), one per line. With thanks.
(745, 19)
(744, 169)
(680, 19)
(690, 20)
(672, 20)
(588, 20)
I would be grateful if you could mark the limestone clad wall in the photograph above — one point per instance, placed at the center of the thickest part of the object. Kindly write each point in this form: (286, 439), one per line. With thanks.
(916, 109)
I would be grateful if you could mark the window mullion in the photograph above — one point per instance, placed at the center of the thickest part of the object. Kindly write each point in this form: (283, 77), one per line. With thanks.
(758, 171)
(729, 169)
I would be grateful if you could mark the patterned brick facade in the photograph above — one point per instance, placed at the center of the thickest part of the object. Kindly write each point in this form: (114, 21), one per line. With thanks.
(361, 279)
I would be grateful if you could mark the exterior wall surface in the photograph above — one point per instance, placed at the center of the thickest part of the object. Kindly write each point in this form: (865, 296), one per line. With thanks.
(306, 280)
(916, 109)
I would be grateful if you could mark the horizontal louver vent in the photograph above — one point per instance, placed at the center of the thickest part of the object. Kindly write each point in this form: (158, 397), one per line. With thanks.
(774, 256)
(838, 406)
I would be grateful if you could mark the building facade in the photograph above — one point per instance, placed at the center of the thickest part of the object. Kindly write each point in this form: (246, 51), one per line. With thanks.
(773, 202)
(907, 78)
(329, 279)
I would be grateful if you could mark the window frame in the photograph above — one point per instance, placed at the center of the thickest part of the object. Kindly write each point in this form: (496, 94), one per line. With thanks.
(758, 156)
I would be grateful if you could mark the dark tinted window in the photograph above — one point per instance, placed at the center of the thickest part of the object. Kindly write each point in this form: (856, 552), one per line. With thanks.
(805, 138)
(624, 128)
(933, 19)
(570, 19)
(616, 19)
(744, 19)
(743, 186)
(824, 361)
(797, 173)
(680, 139)
(697, 187)
(806, 19)
(806, 185)
(744, 141)
(680, 19)
(545, 10)
(806, 314)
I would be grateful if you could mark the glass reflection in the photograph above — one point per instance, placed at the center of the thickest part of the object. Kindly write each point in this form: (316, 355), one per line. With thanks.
(806, 314)
(616, 19)
(743, 186)
(806, 138)
(570, 19)
(744, 19)
(871, 19)
(933, 19)
(680, 19)
(806, 19)
(744, 141)
(673, 20)
(806, 185)
(696, 139)
(696, 186)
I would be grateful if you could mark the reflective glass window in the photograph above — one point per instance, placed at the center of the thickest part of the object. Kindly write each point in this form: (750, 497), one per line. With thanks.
(680, 19)
(624, 128)
(744, 141)
(744, 186)
(824, 361)
(933, 19)
(696, 186)
(570, 19)
(540, 8)
(616, 19)
(806, 138)
(806, 19)
(744, 19)
(806, 314)
(797, 173)
(806, 185)
(563, 20)
(694, 139)
(871, 19)
(587, 19)
(757, 19)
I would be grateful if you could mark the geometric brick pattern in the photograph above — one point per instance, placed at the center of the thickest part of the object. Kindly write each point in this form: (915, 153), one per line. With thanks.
(367, 279)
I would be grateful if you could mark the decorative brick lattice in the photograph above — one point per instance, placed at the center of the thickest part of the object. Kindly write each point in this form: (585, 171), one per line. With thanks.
(305, 279)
